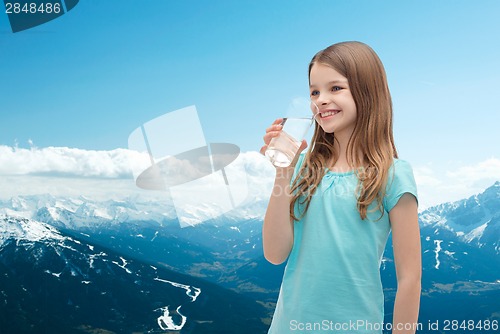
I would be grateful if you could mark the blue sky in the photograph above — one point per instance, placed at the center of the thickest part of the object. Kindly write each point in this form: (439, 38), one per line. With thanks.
(89, 78)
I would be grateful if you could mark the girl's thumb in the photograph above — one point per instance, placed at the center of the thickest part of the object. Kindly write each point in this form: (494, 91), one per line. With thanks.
(302, 147)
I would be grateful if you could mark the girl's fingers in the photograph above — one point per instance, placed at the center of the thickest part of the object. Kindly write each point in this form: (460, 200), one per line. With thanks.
(274, 127)
(271, 132)
(278, 121)
(276, 124)
(270, 135)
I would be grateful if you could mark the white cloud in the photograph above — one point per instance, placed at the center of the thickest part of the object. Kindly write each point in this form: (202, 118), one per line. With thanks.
(73, 187)
(425, 176)
(471, 175)
(66, 171)
(101, 175)
(69, 162)
(438, 184)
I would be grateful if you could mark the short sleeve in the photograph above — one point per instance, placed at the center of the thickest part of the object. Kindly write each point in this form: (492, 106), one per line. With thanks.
(400, 181)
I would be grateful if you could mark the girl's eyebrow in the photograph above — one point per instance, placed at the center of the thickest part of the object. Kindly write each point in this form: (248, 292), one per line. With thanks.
(332, 82)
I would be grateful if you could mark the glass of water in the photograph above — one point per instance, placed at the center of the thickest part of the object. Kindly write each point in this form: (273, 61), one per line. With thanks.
(282, 149)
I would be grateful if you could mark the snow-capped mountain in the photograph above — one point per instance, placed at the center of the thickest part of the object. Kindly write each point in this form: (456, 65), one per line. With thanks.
(460, 245)
(452, 233)
(85, 213)
(77, 213)
(143, 231)
(54, 283)
(25, 230)
(475, 220)
(148, 230)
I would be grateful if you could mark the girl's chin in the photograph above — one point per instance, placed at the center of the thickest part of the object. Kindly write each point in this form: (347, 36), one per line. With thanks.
(327, 129)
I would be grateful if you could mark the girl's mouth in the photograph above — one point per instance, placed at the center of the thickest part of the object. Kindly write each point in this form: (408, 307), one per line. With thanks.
(328, 113)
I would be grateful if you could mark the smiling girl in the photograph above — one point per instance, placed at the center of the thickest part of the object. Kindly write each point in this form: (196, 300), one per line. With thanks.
(342, 199)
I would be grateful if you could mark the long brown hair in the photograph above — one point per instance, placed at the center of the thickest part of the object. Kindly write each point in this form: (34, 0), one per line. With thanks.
(371, 146)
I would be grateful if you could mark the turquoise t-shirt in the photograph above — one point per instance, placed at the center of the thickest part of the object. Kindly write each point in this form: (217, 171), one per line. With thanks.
(331, 282)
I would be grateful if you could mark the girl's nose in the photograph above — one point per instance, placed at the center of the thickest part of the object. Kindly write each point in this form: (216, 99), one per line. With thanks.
(323, 100)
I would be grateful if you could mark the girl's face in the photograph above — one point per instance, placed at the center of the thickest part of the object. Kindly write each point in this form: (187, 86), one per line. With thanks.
(330, 91)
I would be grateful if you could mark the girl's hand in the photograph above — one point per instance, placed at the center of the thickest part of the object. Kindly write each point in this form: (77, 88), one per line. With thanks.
(274, 131)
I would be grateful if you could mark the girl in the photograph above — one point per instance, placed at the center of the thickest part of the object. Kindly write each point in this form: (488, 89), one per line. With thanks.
(332, 213)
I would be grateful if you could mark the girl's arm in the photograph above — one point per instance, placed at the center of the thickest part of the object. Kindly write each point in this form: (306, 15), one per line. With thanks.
(408, 261)
(277, 231)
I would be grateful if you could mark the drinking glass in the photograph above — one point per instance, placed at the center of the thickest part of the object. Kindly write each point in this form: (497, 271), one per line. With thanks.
(300, 116)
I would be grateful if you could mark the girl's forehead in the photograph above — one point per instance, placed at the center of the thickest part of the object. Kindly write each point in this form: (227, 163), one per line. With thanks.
(322, 74)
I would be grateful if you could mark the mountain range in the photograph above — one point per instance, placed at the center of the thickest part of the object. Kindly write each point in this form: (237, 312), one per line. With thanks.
(55, 283)
(76, 265)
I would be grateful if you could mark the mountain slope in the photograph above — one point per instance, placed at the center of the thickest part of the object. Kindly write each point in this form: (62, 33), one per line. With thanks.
(460, 245)
(53, 283)
(475, 220)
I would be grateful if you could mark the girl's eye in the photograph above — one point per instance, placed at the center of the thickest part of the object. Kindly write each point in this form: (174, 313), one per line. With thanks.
(314, 93)
(336, 88)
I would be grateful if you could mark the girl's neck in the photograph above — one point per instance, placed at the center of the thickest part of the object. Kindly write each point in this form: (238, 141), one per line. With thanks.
(342, 163)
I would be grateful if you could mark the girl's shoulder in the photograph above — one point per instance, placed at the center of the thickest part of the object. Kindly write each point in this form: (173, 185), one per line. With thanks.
(400, 180)
(400, 164)
(400, 169)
